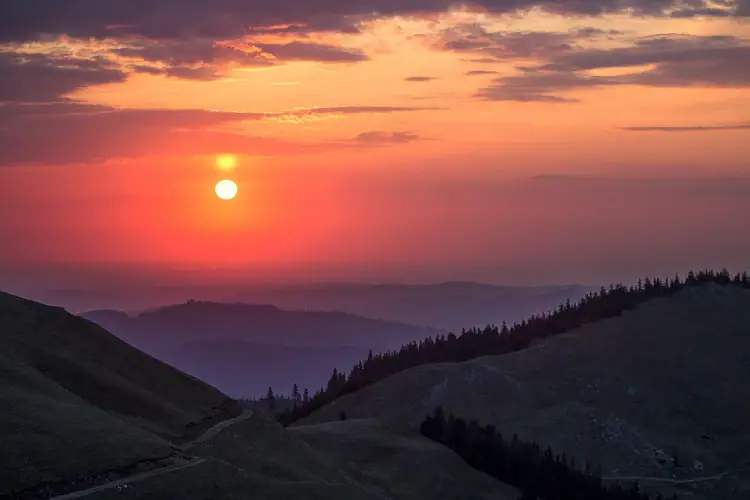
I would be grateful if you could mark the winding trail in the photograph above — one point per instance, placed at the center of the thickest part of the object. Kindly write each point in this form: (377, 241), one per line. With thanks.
(191, 462)
(716, 477)
(130, 479)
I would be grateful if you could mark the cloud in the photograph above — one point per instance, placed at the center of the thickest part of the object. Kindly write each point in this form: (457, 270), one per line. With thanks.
(305, 51)
(539, 87)
(378, 138)
(671, 61)
(69, 132)
(418, 79)
(229, 19)
(502, 45)
(693, 128)
(205, 59)
(38, 78)
(478, 72)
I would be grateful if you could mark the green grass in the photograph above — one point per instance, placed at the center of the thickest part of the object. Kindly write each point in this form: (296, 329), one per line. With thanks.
(77, 400)
(658, 377)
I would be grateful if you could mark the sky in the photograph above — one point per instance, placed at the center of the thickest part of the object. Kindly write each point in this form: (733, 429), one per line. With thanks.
(506, 141)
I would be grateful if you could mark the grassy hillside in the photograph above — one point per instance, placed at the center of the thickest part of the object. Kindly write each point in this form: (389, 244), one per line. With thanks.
(77, 400)
(665, 379)
(350, 460)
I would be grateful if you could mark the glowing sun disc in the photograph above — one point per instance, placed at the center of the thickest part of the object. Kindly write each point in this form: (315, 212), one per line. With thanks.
(226, 189)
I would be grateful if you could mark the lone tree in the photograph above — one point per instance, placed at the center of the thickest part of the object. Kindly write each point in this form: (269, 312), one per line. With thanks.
(271, 399)
(342, 415)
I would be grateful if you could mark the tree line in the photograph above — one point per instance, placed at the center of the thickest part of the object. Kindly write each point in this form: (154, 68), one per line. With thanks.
(539, 474)
(492, 340)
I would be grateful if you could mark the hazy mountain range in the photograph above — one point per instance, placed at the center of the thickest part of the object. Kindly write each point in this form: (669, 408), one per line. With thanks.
(245, 348)
(452, 305)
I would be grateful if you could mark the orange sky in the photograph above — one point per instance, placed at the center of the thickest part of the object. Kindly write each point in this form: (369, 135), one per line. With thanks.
(389, 152)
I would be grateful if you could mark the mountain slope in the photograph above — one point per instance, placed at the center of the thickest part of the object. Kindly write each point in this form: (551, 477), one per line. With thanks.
(353, 460)
(77, 400)
(662, 380)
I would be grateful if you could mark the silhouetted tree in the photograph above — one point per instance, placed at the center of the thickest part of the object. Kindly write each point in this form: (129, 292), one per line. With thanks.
(342, 415)
(271, 399)
(539, 474)
(295, 394)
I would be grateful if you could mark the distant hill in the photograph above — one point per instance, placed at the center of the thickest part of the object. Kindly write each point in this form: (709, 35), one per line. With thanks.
(449, 306)
(76, 400)
(243, 349)
(666, 379)
(244, 369)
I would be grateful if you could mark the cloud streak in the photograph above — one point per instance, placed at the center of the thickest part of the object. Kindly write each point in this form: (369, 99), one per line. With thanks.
(693, 128)
(66, 132)
(379, 138)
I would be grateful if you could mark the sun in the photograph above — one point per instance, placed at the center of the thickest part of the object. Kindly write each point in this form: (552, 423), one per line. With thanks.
(226, 189)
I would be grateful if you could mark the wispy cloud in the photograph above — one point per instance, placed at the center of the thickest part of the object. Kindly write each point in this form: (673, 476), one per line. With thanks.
(694, 128)
(419, 79)
(379, 138)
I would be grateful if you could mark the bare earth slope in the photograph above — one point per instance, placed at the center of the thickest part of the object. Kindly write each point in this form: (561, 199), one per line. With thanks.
(668, 378)
(76, 400)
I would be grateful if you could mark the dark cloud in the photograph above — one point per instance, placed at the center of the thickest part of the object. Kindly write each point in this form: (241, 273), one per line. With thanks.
(196, 59)
(418, 79)
(205, 59)
(675, 61)
(226, 19)
(383, 138)
(38, 78)
(540, 87)
(68, 132)
(695, 128)
(504, 45)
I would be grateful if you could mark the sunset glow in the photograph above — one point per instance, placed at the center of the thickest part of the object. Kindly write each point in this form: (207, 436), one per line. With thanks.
(226, 162)
(570, 128)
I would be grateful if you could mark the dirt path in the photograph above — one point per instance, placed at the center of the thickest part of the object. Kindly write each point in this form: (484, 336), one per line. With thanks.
(674, 481)
(215, 430)
(131, 479)
(192, 461)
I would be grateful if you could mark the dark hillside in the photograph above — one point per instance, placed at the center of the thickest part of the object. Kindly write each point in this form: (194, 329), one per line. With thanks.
(76, 399)
(474, 343)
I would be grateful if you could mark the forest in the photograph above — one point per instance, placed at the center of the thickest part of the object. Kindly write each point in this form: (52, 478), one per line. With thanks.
(493, 340)
(539, 474)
